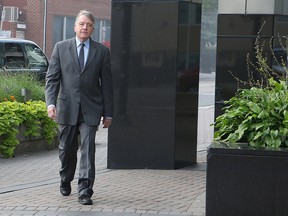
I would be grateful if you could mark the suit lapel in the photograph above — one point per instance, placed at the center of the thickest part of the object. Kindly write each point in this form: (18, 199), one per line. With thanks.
(91, 54)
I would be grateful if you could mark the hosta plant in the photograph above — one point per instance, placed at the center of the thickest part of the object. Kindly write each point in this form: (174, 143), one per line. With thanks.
(257, 116)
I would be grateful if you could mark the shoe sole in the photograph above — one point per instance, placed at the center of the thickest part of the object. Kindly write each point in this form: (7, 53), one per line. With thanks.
(85, 202)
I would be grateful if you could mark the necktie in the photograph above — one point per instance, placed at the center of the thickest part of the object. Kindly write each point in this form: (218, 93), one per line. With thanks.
(81, 56)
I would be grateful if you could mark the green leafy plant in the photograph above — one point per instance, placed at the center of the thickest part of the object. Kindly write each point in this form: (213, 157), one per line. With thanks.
(32, 115)
(258, 115)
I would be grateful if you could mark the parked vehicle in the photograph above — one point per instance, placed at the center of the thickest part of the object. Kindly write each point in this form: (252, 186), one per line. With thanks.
(18, 55)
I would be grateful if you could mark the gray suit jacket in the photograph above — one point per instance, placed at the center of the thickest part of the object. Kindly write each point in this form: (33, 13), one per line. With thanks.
(67, 86)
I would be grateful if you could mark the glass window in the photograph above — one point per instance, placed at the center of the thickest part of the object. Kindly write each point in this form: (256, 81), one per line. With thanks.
(57, 29)
(13, 55)
(106, 30)
(96, 33)
(70, 27)
(102, 30)
(35, 56)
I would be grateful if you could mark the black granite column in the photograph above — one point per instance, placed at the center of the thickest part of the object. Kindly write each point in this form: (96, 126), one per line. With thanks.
(155, 49)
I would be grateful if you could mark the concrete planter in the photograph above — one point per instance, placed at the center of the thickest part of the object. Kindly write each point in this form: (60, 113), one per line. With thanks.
(242, 181)
(33, 144)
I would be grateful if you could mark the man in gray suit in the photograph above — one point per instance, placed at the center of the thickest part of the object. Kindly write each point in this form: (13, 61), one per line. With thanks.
(78, 94)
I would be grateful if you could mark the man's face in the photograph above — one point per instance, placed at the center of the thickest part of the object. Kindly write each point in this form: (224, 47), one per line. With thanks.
(83, 28)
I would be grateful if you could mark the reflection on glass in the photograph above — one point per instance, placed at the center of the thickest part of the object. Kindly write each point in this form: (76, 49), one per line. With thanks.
(35, 56)
(188, 47)
(279, 63)
(13, 56)
(207, 73)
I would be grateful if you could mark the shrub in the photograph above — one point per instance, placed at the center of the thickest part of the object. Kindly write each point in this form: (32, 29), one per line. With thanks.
(33, 115)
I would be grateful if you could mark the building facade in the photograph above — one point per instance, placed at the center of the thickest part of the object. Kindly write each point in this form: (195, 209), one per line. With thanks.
(49, 21)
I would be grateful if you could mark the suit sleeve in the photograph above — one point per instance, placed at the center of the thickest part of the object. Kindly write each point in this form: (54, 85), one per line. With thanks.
(53, 78)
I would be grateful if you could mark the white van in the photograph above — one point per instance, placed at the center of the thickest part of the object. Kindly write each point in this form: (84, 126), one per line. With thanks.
(18, 55)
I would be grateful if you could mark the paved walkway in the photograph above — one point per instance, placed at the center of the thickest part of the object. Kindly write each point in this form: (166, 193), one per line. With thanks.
(29, 185)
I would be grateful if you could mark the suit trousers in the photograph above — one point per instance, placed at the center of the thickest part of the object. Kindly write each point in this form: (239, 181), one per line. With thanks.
(68, 148)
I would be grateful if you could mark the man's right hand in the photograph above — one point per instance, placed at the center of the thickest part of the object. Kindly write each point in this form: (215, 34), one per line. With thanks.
(51, 110)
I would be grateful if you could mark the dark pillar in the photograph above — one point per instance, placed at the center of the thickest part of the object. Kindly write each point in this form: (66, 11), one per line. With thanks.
(155, 49)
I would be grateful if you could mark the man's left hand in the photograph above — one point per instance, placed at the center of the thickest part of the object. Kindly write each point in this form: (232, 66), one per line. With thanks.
(107, 122)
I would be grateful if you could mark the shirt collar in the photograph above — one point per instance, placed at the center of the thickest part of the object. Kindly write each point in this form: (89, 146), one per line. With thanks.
(87, 42)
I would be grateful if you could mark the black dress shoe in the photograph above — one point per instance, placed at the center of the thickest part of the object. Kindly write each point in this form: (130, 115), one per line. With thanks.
(65, 188)
(85, 200)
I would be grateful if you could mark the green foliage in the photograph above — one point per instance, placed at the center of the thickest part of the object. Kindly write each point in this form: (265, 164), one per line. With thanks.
(32, 114)
(12, 83)
(257, 116)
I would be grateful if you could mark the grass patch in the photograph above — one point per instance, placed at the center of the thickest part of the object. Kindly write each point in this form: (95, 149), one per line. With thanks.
(12, 83)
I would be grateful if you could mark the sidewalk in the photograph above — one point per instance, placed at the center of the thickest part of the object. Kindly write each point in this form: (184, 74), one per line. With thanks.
(29, 185)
